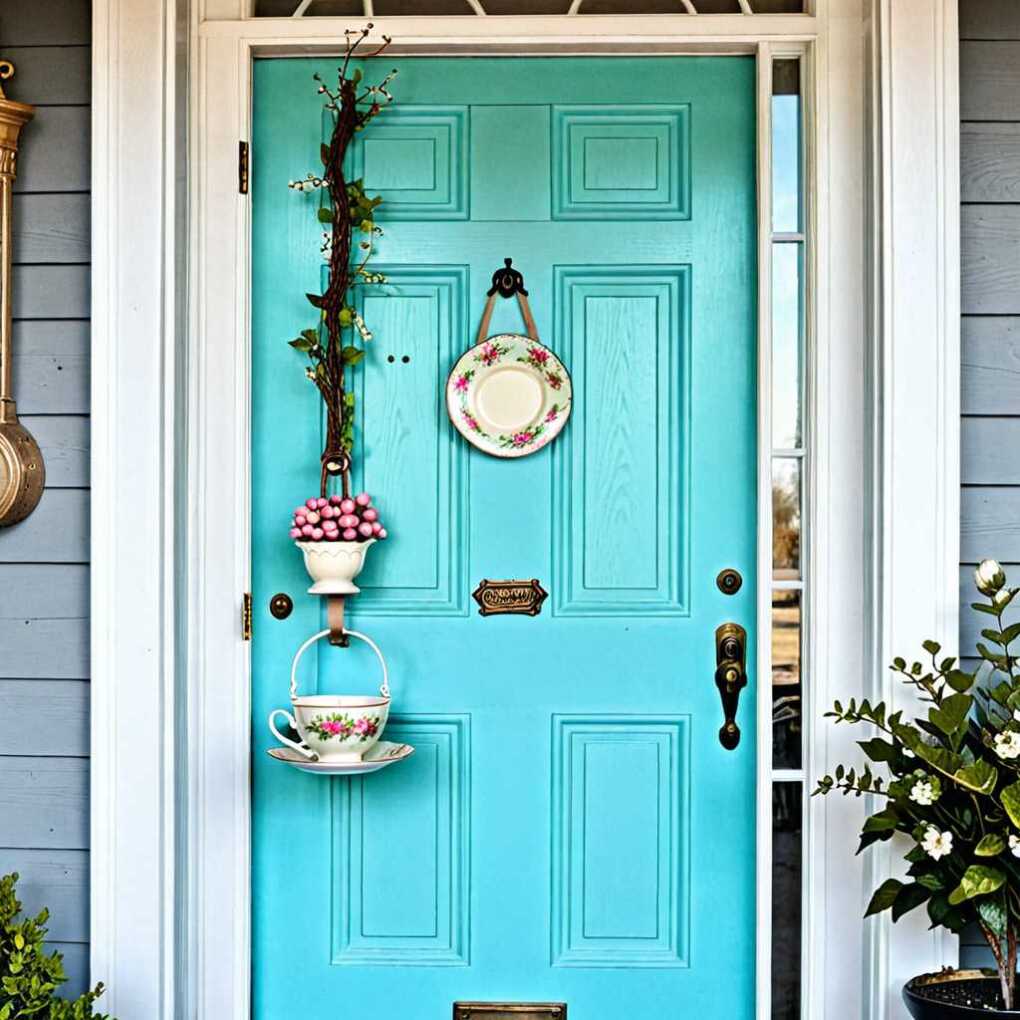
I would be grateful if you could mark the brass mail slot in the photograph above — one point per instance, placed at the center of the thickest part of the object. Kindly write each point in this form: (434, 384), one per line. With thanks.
(509, 1011)
(496, 597)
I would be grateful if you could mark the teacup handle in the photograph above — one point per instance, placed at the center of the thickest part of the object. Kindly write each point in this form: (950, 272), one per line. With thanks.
(384, 689)
(306, 751)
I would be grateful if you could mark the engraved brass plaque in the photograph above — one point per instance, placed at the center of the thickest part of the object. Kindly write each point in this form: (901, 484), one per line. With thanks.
(509, 1011)
(497, 597)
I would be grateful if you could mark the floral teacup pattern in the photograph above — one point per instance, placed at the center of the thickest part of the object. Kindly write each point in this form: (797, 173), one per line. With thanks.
(341, 726)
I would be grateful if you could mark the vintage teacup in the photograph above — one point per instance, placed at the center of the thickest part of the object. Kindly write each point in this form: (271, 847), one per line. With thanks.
(335, 727)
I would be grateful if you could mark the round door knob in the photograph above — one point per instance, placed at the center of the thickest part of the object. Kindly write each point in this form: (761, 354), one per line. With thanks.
(729, 581)
(281, 605)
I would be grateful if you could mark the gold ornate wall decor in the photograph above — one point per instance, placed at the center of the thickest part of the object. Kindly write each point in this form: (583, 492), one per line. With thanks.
(22, 474)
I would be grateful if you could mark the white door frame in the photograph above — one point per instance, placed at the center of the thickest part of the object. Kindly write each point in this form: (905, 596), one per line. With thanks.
(170, 883)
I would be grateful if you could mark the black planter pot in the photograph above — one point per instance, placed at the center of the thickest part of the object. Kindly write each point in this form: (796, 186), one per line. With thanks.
(956, 995)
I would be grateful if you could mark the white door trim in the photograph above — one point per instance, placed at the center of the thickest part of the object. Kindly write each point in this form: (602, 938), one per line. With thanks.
(170, 890)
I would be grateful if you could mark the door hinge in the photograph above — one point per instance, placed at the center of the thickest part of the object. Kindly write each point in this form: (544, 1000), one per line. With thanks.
(242, 167)
(246, 617)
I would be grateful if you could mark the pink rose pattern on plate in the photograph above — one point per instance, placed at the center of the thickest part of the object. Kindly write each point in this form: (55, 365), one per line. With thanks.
(343, 727)
(490, 353)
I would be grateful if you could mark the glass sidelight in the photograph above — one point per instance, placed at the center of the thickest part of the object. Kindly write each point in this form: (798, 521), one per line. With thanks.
(789, 567)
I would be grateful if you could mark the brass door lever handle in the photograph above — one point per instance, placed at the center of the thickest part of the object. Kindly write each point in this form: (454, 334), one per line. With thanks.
(730, 678)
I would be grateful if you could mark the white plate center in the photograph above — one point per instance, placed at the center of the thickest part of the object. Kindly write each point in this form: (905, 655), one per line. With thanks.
(510, 397)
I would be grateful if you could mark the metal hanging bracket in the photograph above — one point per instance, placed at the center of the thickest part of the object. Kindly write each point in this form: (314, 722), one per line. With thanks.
(507, 281)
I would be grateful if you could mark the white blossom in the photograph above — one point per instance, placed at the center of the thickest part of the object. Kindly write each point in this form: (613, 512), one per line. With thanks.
(989, 577)
(937, 844)
(923, 793)
(1007, 744)
(1014, 844)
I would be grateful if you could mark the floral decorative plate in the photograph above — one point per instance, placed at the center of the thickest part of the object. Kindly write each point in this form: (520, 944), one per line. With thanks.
(509, 395)
(384, 753)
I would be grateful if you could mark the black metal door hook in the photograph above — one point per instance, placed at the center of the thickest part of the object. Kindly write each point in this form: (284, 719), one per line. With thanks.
(507, 282)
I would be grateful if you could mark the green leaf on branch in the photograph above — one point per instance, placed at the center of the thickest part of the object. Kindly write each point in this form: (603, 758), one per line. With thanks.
(960, 681)
(325, 214)
(884, 897)
(938, 908)
(909, 897)
(992, 657)
(324, 154)
(301, 344)
(315, 300)
(1011, 633)
(990, 846)
(1010, 800)
(980, 777)
(945, 761)
(952, 713)
(992, 635)
(993, 913)
(931, 881)
(984, 607)
(877, 749)
(351, 355)
(931, 647)
(867, 838)
(907, 735)
(887, 819)
(1001, 693)
(978, 880)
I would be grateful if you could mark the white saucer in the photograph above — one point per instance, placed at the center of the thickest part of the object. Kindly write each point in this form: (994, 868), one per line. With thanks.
(384, 753)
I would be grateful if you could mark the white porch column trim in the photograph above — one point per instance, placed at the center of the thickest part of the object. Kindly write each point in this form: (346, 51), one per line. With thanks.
(133, 449)
(916, 361)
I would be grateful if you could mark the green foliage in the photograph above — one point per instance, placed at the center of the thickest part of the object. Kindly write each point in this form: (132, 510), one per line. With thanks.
(978, 880)
(29, 977)
(953, 786)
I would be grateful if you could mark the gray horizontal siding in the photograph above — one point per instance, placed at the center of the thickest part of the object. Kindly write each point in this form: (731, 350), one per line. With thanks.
(990, 80)
(44, 621)
(51, 367)
(990, 162)
(51, 228)
(990, 365)
(989, 19)
(990, 302)
(990, 259)
(57, 880)
(58, 160)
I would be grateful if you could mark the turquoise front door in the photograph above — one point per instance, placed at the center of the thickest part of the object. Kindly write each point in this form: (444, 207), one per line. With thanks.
(570, 828)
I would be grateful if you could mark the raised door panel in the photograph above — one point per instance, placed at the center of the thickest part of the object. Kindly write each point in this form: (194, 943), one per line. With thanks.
(416, 157)
(411, 457)
(620, 834)
(621, 162)
(620, 497)
(401, 852)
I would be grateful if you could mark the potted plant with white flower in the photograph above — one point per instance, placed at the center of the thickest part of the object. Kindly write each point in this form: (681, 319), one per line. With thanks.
(953, 790)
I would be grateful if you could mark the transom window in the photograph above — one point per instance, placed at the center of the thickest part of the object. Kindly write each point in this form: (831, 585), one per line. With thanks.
(427, 8)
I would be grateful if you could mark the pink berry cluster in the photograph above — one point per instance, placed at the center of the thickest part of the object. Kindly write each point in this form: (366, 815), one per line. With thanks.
(337, 520)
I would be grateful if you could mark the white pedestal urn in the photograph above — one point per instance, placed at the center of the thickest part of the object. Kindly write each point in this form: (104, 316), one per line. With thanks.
(333, 566)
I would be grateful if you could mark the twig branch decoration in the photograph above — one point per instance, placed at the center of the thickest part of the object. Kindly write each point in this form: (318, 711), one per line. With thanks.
(345, 208)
